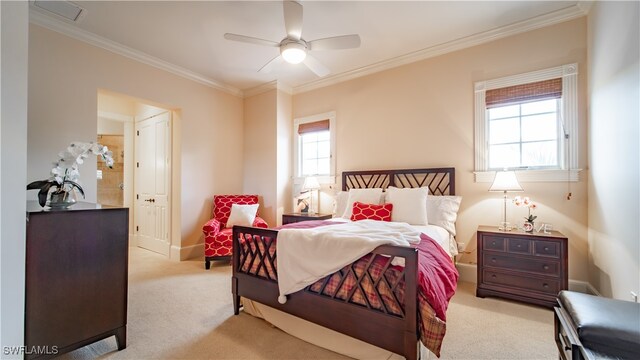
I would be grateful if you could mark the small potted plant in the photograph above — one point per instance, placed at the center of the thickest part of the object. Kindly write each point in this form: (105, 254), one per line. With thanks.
(528, 225)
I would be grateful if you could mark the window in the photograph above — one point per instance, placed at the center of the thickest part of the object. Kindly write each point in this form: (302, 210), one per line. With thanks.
(527, 123)
(314, 143)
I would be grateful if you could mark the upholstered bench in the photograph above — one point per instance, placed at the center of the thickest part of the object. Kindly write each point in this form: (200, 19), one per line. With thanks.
(593, 327)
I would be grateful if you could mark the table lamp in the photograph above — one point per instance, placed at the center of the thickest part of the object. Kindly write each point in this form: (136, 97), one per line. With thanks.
(505, 181)
(311, 184)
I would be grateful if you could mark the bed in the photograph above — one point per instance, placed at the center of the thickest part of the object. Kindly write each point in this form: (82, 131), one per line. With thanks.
(371, 299)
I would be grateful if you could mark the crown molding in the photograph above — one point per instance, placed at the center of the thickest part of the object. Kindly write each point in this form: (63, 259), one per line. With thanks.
(556, 17)
(263, 88)
(72, 31)
(285, 88)
(585, 6)
(569, 13)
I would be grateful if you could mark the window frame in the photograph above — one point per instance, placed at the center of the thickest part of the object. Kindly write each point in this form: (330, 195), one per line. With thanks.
(568, 149)
(322, 179)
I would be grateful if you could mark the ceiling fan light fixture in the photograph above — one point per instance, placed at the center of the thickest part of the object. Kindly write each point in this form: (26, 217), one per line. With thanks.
(293, 53)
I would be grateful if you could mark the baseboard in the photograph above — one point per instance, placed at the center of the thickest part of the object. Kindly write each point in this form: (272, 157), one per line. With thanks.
(179, 253)
(592, 290)
(469, 273)
(583, 287)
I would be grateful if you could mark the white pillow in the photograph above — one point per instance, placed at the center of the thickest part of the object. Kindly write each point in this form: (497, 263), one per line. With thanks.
(242, 215)
(366, 196)
(443, 211)
(409, 204)
(340, 203)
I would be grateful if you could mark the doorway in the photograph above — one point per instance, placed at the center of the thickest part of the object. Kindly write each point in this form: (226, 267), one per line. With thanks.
(111, 180)
(119, 118)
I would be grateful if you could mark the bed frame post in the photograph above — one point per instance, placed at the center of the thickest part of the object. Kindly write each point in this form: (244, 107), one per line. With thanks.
(235, 262)
(411, 344)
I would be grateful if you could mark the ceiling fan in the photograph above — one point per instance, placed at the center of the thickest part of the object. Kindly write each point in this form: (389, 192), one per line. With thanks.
(293, 48)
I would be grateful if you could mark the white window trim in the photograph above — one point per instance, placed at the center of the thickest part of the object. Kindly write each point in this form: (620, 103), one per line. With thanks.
(569, 122)
(331, 178)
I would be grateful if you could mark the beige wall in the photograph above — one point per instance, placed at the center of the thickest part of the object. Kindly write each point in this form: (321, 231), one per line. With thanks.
(285, 155)
(421, 115)
(260, 152)
(64, 78)
(110, 127)
(14, 25)
(614, 181)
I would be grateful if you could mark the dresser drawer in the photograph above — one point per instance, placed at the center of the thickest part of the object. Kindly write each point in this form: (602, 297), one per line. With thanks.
(495, 243)
(519, 246)
(538, 266)
(547, 248)
(550, 286)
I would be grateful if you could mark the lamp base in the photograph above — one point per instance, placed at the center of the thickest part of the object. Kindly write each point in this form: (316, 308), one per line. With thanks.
(505, 226)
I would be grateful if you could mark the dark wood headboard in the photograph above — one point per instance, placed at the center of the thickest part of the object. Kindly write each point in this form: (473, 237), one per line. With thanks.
(441, 181)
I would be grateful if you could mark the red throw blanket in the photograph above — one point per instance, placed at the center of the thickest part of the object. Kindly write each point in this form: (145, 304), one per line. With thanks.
(437, 275)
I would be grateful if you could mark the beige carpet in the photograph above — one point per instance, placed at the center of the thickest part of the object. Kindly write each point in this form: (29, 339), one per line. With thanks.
(180, 311)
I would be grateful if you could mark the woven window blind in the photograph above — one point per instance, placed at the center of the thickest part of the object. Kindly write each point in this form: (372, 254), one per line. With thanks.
(313, 127)
(541, 90)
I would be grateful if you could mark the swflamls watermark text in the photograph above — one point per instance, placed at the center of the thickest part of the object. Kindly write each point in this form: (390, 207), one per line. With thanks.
(30, 350)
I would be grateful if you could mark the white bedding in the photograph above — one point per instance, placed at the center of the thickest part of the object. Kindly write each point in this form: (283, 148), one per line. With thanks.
(333, 247)
(446, 241)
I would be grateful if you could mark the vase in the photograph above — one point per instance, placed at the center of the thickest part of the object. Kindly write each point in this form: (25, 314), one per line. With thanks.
(528, 226)
(62, 200)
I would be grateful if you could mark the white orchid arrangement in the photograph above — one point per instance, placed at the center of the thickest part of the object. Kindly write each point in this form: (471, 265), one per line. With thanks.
(525, 201)
(65, 175)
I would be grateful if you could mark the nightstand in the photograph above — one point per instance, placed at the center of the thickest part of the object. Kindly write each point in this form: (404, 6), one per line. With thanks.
(529, 267)
(297, 217)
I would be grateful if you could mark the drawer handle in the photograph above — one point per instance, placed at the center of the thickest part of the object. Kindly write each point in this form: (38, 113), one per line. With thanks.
(493, 276)
(493, 243)
(519, 245)
(545, 285)
(493, 260)
(546, 267)
(546, 248)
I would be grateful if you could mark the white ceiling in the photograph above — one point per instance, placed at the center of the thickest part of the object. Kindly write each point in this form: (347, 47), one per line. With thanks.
(188, 36)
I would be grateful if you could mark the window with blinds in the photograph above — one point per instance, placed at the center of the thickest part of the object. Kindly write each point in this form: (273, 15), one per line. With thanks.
(528, 122)
(315, 148)
(314, 143)
(523, 126)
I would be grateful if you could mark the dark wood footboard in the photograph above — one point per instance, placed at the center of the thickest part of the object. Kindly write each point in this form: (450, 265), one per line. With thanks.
(389, 325)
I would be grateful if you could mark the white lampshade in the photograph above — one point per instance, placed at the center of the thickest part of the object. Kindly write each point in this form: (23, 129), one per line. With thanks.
(293, 53)
(505, 181)
(311, 183)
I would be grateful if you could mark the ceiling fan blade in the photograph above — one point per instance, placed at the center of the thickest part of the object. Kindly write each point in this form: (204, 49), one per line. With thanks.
(250, 40)
(293, 19)
(315, 66)
(269, 66)
(336, 42)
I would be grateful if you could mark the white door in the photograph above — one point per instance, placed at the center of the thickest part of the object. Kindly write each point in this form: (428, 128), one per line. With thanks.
(152, 179)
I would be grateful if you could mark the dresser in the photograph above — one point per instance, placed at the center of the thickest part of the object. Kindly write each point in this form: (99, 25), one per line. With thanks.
(529, 267)
(76, 277)
(297, 217)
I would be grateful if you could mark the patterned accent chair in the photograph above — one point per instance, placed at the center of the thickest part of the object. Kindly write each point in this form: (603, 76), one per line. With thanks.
(217, 238)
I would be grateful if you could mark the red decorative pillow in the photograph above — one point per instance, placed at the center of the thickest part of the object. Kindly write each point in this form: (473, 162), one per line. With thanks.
(371, 212)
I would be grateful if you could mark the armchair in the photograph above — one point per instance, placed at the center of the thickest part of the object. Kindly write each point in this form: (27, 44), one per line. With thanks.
(217, 237)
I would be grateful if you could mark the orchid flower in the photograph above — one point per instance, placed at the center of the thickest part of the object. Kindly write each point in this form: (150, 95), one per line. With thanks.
(64, 174)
